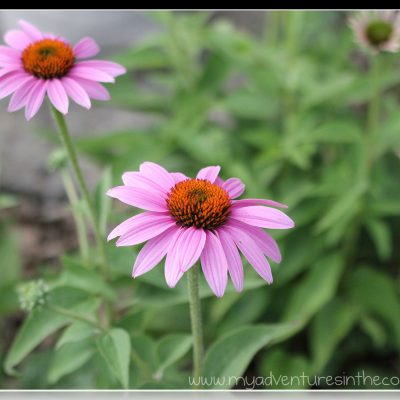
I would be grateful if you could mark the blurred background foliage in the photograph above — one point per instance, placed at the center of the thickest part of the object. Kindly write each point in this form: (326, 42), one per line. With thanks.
(286, 112)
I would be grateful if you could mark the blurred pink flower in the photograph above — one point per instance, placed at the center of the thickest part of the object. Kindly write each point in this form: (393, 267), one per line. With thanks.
(377, 30)
(189, 219)
(36, 63)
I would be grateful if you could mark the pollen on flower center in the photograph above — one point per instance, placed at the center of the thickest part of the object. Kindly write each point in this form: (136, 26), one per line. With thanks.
(379, 32)
(48, 58)
(199, 203)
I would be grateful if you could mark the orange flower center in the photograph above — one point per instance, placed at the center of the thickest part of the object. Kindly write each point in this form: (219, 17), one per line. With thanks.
(48, 58)
(199, 203)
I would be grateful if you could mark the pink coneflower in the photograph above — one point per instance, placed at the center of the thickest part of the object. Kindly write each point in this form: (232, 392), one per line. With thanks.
(377, 30)
(187, 219)
(36, 63)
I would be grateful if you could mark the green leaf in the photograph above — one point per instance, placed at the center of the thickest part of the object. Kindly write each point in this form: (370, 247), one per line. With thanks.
(376, 293)
(381, 236)
(75, 275)
(115, 347)
(171, 348)
(328, 328)
(75, 332)
(230, 355)
(7, 201)
(70, 357)
(42, 322)
(283, 370)
(10, 256)
(315, 290)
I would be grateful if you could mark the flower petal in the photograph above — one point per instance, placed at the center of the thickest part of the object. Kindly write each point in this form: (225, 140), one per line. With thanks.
(264, 241)
(234, 186)
(159, 175)
(108, 67)
(142, 198)
(257, 202)
(209, 173)
(264, 217)
(252, 252)
(153, 252)
(190, 243)
(30, 30)
(214, 264)
(138, 180)
(95, 90)
(35, 98)
(17, 39)
(145, 228)
(11, 82)
(172, 271)
(58, 95)
(10, 57)
(86, 47)
(21, 96)
(178, 177)
(76, 92)
(91, 74)
(235, 265)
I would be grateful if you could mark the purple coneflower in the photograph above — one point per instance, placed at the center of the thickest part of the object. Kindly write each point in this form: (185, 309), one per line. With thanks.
(35, 63)
(188, 219)
(377, 30)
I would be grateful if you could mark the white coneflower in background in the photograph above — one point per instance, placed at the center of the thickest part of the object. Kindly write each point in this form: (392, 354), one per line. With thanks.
(377, 30)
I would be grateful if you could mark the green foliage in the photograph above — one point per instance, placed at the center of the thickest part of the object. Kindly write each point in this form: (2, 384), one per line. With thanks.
(286, 112)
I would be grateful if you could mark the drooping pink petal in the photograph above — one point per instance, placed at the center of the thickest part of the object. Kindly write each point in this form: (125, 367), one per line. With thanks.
(235, 265)
(89, 73)
(153, 252)
(35, 98)
(108, 67)
(138, 180)
(9, 54)
(76, 92)
(5, 71)
(252, 252)
(234, 186)
(21, 95)
(209, 173)
(95, 90)
(86, 48)
(30, 30)
(146, 230)
(172, 271)
(147, 199)
(178, 177)
(58, 95)
(11, 82)
(17, 39)
(214, 264)
(159, 175)
(257, 202)
(190, 243)
(264, 241)
(263, 217)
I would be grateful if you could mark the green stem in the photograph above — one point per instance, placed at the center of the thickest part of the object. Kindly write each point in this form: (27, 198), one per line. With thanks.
(373, 111)
(195, 317)
(77, 317)
(271, 27)
(78, 217)
(69, 147)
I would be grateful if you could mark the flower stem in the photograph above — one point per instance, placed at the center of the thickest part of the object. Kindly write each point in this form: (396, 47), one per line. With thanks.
(195, 317)
(70, 149)
(78, 217)
(373, 111)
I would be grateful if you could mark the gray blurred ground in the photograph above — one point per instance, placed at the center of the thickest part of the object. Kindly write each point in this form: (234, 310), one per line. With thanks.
(24, 152)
